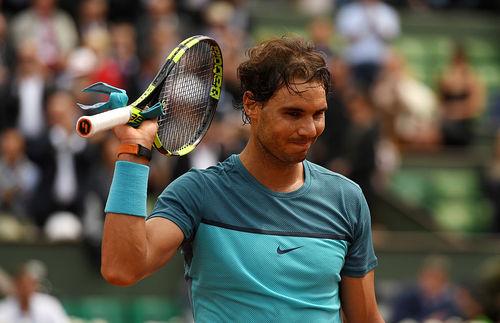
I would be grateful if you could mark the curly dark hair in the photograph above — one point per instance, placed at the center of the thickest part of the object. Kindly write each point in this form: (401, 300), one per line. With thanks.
(278, 62)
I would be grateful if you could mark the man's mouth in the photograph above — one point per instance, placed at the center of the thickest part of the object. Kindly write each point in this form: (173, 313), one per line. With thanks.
(302, 143)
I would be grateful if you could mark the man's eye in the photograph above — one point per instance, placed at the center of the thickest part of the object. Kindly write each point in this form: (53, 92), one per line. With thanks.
(319, 115)
(293, 113)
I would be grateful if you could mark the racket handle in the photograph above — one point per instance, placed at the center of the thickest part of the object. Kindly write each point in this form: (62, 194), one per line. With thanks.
(87, 126)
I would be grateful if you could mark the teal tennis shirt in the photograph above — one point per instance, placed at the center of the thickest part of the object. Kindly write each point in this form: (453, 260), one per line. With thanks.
(255, 255)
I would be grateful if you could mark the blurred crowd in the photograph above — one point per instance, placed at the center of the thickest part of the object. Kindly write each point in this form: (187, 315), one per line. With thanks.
(27, 299)
(435, 297)
(53, 184)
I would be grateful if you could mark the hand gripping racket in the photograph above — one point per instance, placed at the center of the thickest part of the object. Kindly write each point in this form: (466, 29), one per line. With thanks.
(188, 88)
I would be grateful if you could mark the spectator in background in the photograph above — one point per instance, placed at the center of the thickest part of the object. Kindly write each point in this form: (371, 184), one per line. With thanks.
(461, 99)
(18, 175)
(27, 303)
(470, 301)
(433, 297)
(368, 26)
(102, 170)
(158, 16)
(492, 183)
(192, 12)
(99, 59)
(124, 52)
(106, 68)
(162, 39)
(82, 63)
(406, 107)
(357, 160)
(221, 23)
(489, 281)
(7, 58)
(95, 198)
(24, 104)
(208, 153)
(316, 7)
(321, 33)
(64, 159)
(227, 21)
(331, 145)
(92, 14)
(242, 18)
(52, 31)
(6, 287)
(231, 87)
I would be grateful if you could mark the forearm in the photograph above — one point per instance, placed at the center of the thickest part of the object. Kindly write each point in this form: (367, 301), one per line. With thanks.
(358, 300)
(133, 249)
(124, 249)
(372, 317)
(124, 245)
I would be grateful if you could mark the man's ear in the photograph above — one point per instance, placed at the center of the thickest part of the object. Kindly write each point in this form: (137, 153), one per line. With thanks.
(250, 105)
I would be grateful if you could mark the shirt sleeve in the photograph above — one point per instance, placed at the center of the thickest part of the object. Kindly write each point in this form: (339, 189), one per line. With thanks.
(360, 258)
(181, 202)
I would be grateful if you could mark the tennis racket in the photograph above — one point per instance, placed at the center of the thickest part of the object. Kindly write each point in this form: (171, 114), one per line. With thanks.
(188, 87)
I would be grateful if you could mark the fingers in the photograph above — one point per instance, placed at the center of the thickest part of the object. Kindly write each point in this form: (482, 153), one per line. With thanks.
(150, 126)
(143, 135)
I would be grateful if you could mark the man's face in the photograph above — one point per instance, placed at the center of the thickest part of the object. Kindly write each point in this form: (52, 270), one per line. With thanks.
(288, 124)
(26, 285)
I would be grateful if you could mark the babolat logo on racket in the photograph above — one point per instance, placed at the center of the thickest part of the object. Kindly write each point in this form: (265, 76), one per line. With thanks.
(217, 83)
(135, 117)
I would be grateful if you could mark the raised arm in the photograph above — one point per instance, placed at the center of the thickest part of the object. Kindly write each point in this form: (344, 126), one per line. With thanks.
(133, 248)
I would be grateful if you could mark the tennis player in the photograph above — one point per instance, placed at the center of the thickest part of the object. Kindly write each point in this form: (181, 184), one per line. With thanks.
(267, 236)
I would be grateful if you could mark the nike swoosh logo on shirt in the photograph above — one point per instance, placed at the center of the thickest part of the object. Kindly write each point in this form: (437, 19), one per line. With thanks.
(282, 251)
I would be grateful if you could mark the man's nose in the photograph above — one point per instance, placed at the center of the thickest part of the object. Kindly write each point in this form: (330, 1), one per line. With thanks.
(308, 128)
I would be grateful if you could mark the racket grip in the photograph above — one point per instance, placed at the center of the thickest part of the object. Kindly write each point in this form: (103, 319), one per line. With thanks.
(87, 126)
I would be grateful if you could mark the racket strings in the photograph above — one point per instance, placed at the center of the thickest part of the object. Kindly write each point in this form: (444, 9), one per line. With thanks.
(185, 96)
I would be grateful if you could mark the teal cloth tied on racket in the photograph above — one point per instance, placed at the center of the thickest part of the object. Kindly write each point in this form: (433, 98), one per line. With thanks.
(118, 98)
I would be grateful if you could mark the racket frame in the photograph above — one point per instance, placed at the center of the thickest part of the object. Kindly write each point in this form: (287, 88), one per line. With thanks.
(215, 89)
(118, 116)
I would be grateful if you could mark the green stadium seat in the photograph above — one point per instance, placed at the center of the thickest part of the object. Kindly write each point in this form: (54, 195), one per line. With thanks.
(463, 215)
(108, 309)
(455, 183)
(482, 49)
(420, 70)
(452, 195)
(152, 309)
(411, 47)
(72, 306)
(437, 47)
(411, 185)
(426, 55)
(489, 73)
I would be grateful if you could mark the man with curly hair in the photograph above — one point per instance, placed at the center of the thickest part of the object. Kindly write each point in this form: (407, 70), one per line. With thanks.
(267, 236)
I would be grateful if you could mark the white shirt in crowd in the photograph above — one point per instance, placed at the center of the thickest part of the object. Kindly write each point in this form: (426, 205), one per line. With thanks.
(43, 309)
(367, 27)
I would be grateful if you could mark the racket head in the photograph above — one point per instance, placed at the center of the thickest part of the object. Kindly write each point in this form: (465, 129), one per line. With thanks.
(189, 87)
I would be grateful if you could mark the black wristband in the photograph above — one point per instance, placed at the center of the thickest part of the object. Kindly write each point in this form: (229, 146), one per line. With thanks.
(135, 149)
